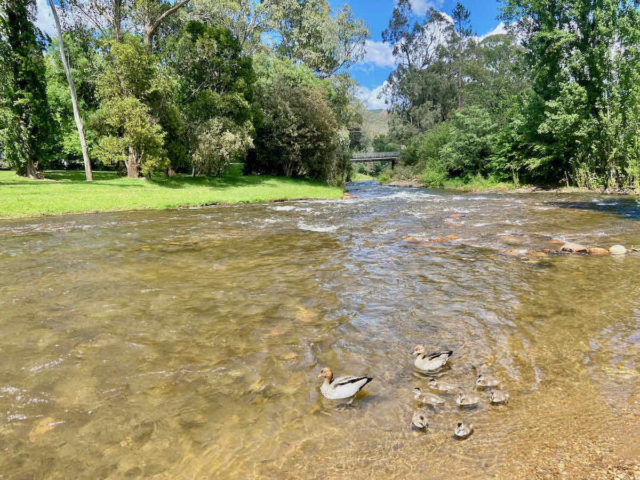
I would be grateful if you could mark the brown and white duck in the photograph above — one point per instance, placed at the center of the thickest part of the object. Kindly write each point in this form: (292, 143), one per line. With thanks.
(498, 397)
(342, 387)
(442, 387)
(485, 380)
(419, 421)
(467, 399)
(463, 430)
(430, 362)
(427, 398)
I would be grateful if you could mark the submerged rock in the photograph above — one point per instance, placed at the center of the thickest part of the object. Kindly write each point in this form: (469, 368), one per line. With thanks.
(514, 252)
(410, 239)
(617, 250)
(597, 251)
(452, 237)
(573, 248)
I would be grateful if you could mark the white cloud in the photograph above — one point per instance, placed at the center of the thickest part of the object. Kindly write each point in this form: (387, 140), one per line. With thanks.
(501, 29)
(422, 6)
(44, 18)
(379, 53)
(372, 99)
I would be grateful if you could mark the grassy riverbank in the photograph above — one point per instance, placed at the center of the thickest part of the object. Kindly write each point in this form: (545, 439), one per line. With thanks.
(67, 192)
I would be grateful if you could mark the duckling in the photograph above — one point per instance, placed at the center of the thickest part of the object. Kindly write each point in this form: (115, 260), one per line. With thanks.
(343, 387)
(467, 400)
(441, 387)
(419, 421)
(463, 430)
(498, 397)
(486, 381)
(427, 398)
(430, 362)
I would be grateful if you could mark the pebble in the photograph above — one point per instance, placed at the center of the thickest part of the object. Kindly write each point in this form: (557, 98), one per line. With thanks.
(617, 250)
(597, 251)
(573, 248)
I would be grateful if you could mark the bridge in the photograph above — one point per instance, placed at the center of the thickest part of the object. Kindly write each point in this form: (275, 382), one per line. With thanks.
(375, 157)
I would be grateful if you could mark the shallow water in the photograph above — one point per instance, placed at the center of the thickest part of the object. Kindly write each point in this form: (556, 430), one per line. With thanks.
(187, 344)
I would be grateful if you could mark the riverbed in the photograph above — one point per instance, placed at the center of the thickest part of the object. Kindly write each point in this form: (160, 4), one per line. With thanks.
(187, 343)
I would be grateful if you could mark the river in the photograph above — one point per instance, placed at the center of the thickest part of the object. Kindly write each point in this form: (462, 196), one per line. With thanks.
(187, 343)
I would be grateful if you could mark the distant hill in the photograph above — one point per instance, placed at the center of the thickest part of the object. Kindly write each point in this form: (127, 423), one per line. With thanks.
(374, 122)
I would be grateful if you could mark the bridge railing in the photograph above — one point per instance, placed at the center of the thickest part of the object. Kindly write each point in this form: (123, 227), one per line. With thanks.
(361, 156)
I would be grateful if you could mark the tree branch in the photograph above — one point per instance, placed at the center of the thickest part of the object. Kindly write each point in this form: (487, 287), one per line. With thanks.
(151, 29)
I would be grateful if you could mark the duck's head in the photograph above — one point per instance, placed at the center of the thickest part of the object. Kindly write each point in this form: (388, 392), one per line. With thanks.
(460, 395)
(417, 392)
(480, 379)
(326, 373)
(418, 350)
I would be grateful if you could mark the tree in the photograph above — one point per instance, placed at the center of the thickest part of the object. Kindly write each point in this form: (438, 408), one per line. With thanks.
(297, 132)
(311, 33)
(582, 55)
(28, 126)
(132, 135)
(215, 93)
(74, 97)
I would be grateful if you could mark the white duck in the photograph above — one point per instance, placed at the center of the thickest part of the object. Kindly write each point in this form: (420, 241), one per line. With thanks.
(427, 398)
(430, 362)
(343, 387)
(420, 421)
(467, 400)
(486, 381)
(498, 397)
(463, 430)
(442, 387)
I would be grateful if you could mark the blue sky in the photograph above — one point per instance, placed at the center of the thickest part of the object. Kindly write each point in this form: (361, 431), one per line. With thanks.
(378, 62)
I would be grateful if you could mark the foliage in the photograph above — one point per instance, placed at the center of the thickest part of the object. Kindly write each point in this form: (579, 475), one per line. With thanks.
(132, 135)
(583, 58)
(217, 145)
(298, 133)
(28, 131)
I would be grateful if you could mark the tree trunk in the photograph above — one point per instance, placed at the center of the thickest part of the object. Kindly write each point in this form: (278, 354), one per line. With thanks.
(132, 164)
(32, 170)
(74, 99)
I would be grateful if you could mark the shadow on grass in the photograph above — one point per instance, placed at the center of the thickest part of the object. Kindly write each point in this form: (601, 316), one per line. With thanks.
(232, 179)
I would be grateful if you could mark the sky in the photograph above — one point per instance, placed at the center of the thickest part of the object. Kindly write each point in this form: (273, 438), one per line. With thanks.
(374, 69)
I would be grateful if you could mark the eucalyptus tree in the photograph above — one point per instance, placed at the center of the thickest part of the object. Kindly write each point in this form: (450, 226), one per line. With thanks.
(28, 128)
(74, 98)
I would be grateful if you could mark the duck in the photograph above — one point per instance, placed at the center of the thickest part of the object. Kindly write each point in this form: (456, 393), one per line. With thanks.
(430, 362)
(427, 398)
(486, 381)
(419, 421)
(498, 397)
(467, 400)
(441, 387)
(342, 387)
(463, 430)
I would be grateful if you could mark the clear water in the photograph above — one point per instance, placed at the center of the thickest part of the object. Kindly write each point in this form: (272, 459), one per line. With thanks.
(187, 344)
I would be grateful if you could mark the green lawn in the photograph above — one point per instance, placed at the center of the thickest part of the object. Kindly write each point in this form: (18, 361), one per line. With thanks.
(67, 192)
(362, 177)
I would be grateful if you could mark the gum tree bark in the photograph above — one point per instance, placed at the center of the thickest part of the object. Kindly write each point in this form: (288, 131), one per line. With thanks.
(74, 98)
